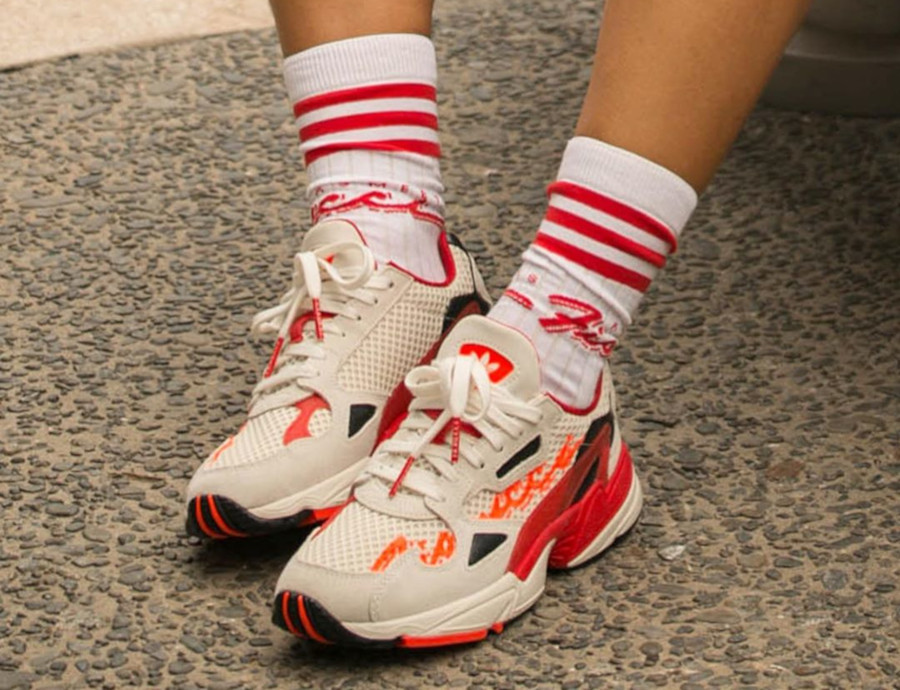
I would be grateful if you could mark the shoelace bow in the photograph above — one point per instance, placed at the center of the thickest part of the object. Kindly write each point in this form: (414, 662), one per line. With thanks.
(325, 282)
(452, 394)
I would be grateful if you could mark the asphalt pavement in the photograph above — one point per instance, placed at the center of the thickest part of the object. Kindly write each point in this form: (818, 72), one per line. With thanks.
(150, 202)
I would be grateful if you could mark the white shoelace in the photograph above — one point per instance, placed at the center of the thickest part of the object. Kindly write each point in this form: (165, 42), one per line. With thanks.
(460, 391)
(325, 283)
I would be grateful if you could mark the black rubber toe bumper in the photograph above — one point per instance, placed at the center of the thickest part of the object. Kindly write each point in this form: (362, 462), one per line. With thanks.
(218, 517)
(307, 619)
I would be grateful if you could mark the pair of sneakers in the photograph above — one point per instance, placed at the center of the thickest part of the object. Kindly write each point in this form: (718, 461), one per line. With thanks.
(416, 429)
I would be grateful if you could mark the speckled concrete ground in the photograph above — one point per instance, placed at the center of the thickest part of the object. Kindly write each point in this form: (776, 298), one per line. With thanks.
(150, 202)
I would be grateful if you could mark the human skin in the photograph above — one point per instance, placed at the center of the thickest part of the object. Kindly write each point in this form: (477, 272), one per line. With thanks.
(672, 80)
(304, 24)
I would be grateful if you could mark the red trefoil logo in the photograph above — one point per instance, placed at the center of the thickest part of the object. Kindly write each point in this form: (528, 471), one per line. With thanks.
(498, 366)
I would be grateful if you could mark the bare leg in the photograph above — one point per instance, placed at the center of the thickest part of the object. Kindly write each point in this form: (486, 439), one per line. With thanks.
(303, 24)
(673, 80)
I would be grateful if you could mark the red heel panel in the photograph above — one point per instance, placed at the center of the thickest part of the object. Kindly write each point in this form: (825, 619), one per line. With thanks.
(548, 521)
(594, 512)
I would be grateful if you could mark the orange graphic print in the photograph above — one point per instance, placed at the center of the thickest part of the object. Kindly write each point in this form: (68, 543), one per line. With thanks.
(534, 484)
(444, 547)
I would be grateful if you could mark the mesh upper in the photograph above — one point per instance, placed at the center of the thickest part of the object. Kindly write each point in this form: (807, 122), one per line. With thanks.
(263, 436)
(402, 337)
(320, 422)
(358, 535)
(567, 426)
(259, 437)
(396, 344)
(479, 503)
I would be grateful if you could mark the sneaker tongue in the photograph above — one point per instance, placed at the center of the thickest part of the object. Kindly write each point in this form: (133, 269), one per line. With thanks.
(330, 232)
(510, 357)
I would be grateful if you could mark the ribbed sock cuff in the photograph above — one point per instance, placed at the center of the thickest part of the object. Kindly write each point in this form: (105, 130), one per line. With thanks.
(629, 178)
(356, 61)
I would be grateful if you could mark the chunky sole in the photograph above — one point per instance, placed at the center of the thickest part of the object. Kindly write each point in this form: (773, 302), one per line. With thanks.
(580, 533)
(458, 622)
(218, 517)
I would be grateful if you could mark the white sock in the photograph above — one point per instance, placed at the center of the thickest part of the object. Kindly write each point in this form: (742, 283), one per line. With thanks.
(612, 220)
(367, 116)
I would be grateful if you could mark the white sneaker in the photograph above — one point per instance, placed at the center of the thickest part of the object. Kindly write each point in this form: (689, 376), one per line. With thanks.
(347, 333)
(452, 526)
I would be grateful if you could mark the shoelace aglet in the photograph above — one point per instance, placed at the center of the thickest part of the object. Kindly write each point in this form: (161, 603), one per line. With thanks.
(273, 360)
(400, 477)
(455, 439)
(317, 318)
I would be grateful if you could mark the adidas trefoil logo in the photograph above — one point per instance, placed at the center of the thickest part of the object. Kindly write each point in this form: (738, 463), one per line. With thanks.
(498, 367)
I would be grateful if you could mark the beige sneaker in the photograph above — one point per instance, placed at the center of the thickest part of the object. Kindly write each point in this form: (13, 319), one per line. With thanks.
(347, 333)
(451, 528)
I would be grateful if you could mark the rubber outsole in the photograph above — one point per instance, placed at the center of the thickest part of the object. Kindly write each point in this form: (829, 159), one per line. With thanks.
(305, 618)
(217, 517)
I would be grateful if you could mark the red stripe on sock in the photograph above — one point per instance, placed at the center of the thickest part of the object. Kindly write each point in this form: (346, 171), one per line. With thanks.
(517, 296)
(614, 208)
(598, 233)
(367, 120)
(610, 270)
(423, 148)
(363, 93)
